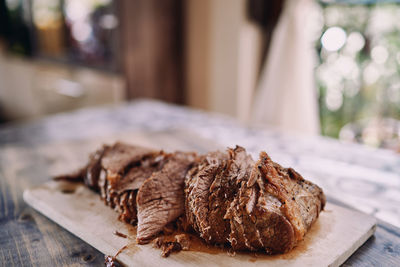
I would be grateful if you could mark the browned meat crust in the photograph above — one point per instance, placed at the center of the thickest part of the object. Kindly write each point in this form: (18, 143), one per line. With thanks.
(94, 167)
(230, 199)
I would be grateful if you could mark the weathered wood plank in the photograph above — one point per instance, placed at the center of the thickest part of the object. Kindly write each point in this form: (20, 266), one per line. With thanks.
(382, 249)
(26, 237)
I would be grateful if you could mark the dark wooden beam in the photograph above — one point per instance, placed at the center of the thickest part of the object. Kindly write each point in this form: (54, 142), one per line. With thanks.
(152, 48)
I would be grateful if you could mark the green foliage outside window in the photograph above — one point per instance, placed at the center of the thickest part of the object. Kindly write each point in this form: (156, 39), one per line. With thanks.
(358, 75)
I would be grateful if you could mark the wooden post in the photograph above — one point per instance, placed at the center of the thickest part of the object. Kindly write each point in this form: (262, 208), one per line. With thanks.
(152, 48)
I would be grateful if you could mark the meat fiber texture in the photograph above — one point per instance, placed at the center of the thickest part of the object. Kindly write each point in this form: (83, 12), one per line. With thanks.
(256, 206)
(160, 199)
(145, 186)
(225, 197)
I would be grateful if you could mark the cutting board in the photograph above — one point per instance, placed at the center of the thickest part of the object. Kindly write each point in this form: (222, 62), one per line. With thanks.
(332, 239)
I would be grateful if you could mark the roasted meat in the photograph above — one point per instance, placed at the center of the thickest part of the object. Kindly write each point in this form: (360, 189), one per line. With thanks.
(175, 244)
(139, 183)
(227, 198)
(230, 199)
(160, 199)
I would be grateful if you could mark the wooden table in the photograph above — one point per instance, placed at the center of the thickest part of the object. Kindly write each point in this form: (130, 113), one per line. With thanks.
(31, 153)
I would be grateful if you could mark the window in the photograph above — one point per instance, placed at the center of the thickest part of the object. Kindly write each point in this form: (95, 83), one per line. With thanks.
(358, 74)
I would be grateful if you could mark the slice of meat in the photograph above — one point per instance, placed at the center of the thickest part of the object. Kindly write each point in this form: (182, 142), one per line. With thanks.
(301, 200)
(125, 168)
(160, 199)
(127, 207)
(120, 157)
(93, 168)
(224, 189)
(210, 192)
(277, 207)
(125, 190)
(135, 176)
(197, 185)
(117, 164)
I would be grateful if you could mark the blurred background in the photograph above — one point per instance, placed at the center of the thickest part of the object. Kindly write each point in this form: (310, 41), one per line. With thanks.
(303, 66)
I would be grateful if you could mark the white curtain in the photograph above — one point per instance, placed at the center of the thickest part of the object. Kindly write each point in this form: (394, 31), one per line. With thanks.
(286, 96)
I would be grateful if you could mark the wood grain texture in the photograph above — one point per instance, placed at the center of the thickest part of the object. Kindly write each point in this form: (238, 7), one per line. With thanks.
(331, 240)
(26, 237)
(382, 249)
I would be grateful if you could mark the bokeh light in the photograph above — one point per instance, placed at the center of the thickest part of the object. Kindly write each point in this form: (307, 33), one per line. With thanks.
(355, 42)
(334, 100)
(379, 54)
(333, 39)
(81, 31)
(371, 73)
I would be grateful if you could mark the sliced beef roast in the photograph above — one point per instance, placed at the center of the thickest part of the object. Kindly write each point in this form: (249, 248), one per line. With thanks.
(250, 205)
(117, 172)
(226, 197)
(124, 169)
(160, 199)
(93, 169)
(115, 163)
